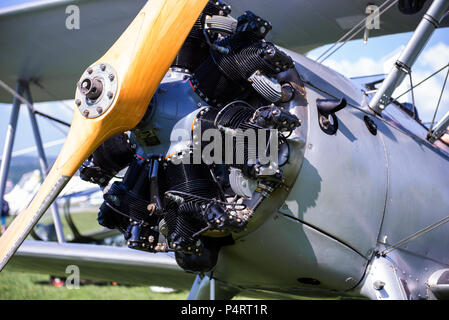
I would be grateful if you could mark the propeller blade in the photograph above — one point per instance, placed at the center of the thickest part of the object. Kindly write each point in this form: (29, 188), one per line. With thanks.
(112, 97)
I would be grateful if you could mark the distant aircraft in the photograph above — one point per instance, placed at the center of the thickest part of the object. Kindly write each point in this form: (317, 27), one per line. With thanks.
(355, 203)
(22, 193)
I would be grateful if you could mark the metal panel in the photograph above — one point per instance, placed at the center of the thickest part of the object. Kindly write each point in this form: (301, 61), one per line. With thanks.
(330, 195)
(173, 100)
(418, 192)
(342, 185)
(284, 250)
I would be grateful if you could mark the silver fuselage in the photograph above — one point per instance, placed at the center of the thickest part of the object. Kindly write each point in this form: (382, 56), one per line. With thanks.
(347, 196)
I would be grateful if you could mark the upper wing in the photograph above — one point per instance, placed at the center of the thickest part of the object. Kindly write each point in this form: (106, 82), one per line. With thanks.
(104, 263)
(36, 45)
(302, 25)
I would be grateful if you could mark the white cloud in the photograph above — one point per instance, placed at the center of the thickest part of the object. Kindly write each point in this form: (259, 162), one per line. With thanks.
(436, 56)
(362, 66)
(426, 95)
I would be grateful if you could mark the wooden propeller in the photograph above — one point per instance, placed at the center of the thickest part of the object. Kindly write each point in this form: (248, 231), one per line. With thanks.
(140, 58)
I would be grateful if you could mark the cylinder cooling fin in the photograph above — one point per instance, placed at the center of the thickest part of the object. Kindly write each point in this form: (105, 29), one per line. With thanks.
(234, 60)
(245, 89)
(267, 87)
(108, 159)
(195, 48)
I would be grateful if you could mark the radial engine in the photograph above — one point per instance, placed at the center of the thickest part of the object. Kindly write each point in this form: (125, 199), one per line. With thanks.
(211, 148)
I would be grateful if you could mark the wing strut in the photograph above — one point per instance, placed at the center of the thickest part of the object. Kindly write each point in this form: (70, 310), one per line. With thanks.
(403, 65)
(23, 89)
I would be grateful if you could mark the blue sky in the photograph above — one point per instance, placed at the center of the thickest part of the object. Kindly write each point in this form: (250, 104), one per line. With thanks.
(378, 56)
(6, 3)
(354, 59)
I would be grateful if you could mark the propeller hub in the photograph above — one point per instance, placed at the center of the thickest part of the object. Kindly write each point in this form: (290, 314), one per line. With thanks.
(91, 88)
(96, 90)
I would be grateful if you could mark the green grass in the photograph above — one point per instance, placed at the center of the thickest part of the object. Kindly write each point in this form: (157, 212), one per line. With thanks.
(31, 286)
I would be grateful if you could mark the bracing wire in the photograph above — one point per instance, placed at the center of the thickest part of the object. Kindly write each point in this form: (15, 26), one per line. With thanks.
(415, 235)
(51, 95)
(51, 119)
(422, 81)
(343, 40)
(438, 104)
(347, 33)
(412, 87)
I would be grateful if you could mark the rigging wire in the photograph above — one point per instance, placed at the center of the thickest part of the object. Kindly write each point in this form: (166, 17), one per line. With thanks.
(438, 104)
(348, 33)
(421, 82)
(53, 96)
(412, 87)
(415, 236)
(16, 95)
(49, 118)
(30, 105)
(361, 28)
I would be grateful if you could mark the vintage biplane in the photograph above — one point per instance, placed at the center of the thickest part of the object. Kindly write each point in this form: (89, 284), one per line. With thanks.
(355, 202)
